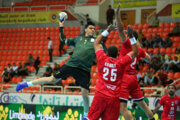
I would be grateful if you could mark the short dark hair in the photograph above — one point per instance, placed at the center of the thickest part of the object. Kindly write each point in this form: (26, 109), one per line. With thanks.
(112, 51)
(135, 34)
(89, 23)
(172, 85)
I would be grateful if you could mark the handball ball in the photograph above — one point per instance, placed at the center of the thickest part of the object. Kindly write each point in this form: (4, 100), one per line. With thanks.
(62, 16)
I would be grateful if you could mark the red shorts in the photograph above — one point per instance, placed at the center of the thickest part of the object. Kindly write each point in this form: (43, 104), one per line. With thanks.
(130, 87)
(105, 107)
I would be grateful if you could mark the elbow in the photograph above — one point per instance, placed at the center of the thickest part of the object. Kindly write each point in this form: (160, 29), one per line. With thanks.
(97, 41)
(95, 44)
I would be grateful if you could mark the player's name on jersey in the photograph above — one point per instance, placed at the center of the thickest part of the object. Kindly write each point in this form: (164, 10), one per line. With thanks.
(110, 65)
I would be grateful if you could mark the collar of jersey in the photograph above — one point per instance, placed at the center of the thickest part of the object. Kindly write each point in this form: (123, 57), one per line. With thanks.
(89, 36)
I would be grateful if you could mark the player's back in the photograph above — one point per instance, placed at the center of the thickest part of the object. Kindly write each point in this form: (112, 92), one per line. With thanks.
(126, 48)
(110, 73)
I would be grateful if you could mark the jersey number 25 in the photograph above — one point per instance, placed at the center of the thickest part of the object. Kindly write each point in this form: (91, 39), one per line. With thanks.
(112, 72)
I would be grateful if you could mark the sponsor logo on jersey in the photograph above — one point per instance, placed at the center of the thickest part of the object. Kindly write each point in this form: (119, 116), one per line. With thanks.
(176, 102)
(92, 39)
(112, 87)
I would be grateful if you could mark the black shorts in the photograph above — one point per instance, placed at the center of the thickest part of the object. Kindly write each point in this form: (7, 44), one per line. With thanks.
(82, 77)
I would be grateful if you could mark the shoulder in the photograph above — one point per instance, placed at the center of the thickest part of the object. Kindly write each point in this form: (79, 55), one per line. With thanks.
(100, 52)
(126, 43)
(165, 97)
(177, 97)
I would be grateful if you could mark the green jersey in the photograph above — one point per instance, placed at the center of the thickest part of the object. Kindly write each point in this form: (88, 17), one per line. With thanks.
(84, 54)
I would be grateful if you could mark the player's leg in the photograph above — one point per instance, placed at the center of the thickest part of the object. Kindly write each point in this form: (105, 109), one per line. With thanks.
(112, 109)
(124, 96)
(137, 96)
(63, 72)
(146, 109)
(85, 97)
(82, 78)
(43, 80)
(124, 111)
(97, 107)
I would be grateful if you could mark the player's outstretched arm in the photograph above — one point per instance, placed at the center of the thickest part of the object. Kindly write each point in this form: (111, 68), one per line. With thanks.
(43, 80)
(133, 42)
(62, 37)
(120, 25)
(99, 39)
(156, 108)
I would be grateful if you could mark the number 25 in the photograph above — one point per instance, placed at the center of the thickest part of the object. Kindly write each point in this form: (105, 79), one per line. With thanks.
(112, 73)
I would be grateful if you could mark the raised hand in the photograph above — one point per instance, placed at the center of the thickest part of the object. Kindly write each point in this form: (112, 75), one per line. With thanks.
(130, 32)
(111, 28)
(61, 24)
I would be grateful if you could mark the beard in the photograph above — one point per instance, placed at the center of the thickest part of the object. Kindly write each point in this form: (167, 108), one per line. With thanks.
(171, 93)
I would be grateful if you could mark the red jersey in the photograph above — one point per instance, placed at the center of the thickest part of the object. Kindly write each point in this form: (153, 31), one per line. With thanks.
(169, 107)
(126, 48)
(110, 73)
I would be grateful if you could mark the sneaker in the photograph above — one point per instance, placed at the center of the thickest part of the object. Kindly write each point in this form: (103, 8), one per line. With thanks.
(84, 118)
(21, 86)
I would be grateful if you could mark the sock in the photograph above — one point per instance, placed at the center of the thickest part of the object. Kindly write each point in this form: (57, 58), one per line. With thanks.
(85, 114)
(29, 84)
(86, 105)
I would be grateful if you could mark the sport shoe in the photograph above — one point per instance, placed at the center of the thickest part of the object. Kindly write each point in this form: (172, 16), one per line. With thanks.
(21, 86)
(84, 118)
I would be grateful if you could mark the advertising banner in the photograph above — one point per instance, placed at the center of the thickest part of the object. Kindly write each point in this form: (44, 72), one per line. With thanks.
(175, 10)
(54, 112)
(39, 112)
(53, 103)
(29, 17)
(44, 99)
(54, 99)
(134, 3)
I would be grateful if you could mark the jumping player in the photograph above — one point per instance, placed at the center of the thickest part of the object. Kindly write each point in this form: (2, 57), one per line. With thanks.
(169, 103)
(130, 86)
(106, 102)
(78, 65)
